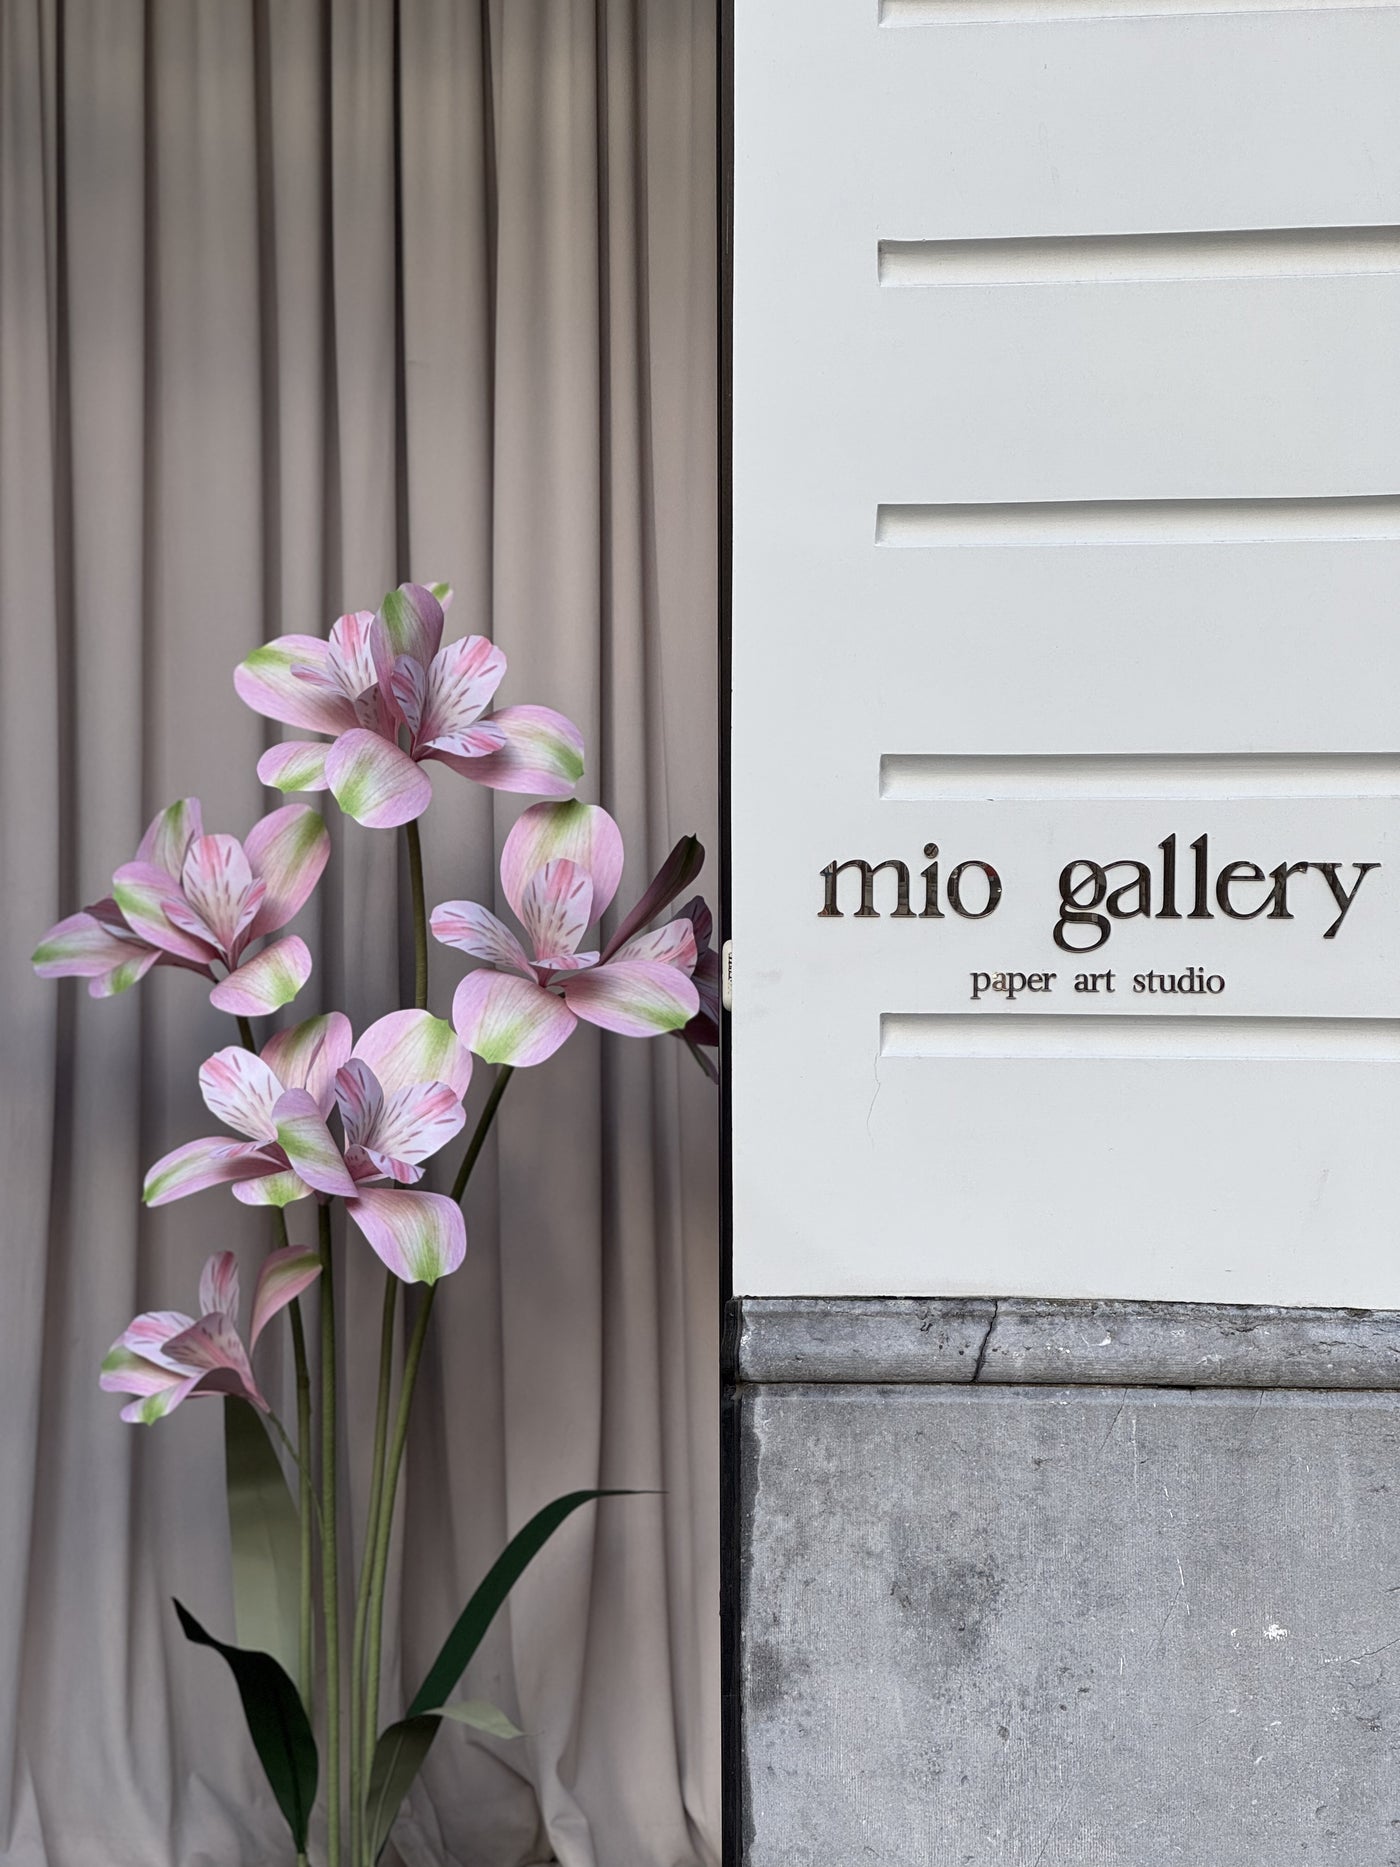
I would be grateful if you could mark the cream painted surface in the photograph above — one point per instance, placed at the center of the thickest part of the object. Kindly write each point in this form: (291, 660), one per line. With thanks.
(1066, 520)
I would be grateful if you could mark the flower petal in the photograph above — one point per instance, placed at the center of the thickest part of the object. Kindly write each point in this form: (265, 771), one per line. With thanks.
(292, 680)
(123, 1372)
(210, 1162)
(295, 765)
(272, 978)
(543, 754)
(148, 1334)
(419, 1236)
(634, 997)
(360, 1098)
(287, 849)
(143, 893)
(461, 681)
(475, 930)
(681, 867)
(217, 883)
(81, 947)
(509, 1020)
(413, 1123)
(283, 1277)
(556, 908)
(274, 1189)
(412, 620)
(170, 834)
(671, 945)
(374, 782)
(242, 1090)
(307, 1056)
(305, 1139)
(584, 833)
(350, 655)
(212, 1349)
(414, 1047)
(218, 1286)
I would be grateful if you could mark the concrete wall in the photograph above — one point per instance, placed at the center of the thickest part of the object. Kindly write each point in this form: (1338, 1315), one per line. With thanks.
(1056, 1583)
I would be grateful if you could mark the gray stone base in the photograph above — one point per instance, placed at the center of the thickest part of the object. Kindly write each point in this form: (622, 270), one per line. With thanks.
(1002, 1624)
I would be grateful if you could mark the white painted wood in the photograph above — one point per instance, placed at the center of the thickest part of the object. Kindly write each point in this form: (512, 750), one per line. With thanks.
(1066, 519)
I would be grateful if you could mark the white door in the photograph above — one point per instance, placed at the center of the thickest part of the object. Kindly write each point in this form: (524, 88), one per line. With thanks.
(1066, 539)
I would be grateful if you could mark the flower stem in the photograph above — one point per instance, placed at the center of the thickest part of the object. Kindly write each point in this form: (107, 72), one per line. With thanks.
(363, 1722)
(245, 1036)
(483, 1128)
(330, 1578)
(420, 916)
(305, 1620)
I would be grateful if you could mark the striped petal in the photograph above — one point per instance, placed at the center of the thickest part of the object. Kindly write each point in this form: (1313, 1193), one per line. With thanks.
(419, 1236)
(680, 868)
(508, 1020)
(242, 1090)
(413, 1123)
(144, 893)
(582, 833)
(461, 681)
(634, 997)
(212, 1350)
(406, 683)
(217, 883)
(555, 910)
(414, 1047)
(374, 782)
(292, 680)
(147, 1335)
(274, 1189)
(359, 1098)
(671, 945)
(81, 947)
(170, 834)
(124, 1372)
(272, 978)
(304, 1138)
(283, 1277)
(542, 754)
(412, 620)
(295, 765)
(307, 1056)
(476, 930)
(287, 850)
(218, 1286)
(350, 654)
(198, 1164)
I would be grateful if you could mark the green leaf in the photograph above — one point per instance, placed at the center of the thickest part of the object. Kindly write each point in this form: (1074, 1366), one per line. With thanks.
(277, 1724)
(481, 1715)
(399, 1754)
(264, 1540)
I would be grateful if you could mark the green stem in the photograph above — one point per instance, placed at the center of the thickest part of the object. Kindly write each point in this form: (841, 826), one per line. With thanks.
(330, 1578)
(483, 1128)
(245, 1036)
(362, 1724)
(306, 1661)
(420, 916)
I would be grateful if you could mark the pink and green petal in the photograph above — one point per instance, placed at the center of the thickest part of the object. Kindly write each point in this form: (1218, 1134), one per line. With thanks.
(679, 869)
(376, 783)
(634, 997)
(242, 1090)
(414, 1047)
(272, 978)
(307, 1056)
(123, 1372)
(217, 882)
(419, 1236)
(295, 765)
(198, 1164)
(218, 1286)
(273, 1189)
(287, 850)
(671, 945)
(476, 930)
(81, 947)
(144, 893)
(414, 1122)
(213, 1349)
(556, 908)
(283, 1277)
(459, 686)
(155, 1406)
(169, 835)
(542, 754)
(581, 833)
(412, 620)
(293, 680)
(304, 1138)
(147, 1335)
(509, 1020)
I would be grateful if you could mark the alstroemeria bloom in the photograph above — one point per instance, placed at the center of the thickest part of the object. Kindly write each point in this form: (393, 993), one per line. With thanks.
(560, 867)
(399, 1091)
(200, 901)
(165, 1357)
(385, 673)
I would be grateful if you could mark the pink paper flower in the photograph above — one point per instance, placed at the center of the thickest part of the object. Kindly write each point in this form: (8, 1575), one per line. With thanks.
(382, 674)
(165, 1357)
(559, 871)
(399, 1092)
(200, 902)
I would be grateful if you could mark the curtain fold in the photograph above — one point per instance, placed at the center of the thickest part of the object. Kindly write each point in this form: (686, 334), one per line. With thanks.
(297, 300)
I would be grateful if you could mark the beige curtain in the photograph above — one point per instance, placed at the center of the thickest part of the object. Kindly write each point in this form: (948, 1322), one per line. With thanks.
(298, 299)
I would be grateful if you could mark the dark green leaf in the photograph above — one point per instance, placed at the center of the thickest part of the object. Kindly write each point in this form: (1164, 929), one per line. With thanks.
(277, 1724)
(399, 1754)
(264, 1541)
